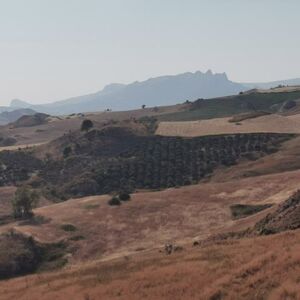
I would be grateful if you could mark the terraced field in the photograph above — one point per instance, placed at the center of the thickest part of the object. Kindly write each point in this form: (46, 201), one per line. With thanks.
(123, 161)
(269, 123)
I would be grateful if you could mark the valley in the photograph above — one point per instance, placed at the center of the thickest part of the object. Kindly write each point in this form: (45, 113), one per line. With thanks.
(149, 150)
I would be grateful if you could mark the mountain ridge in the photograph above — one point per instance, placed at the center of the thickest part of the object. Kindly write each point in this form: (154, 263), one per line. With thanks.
(156, 91)
(162, 90)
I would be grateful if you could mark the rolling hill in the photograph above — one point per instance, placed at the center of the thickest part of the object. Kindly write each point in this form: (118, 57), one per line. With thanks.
(7, 117)
(178, 236)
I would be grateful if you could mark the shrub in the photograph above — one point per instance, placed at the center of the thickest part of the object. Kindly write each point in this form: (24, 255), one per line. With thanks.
(67, 151)
(114, 201)
(23, 202)
(124, 196)
(68, 227)
(86, 125)
(244, 210)
(19, 255)
(76, 238)
(81, 186)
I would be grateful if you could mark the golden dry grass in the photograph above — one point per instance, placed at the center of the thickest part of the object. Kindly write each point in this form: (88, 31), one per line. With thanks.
(119, 256)
(152, 219)
(256, 268)
(270, 123)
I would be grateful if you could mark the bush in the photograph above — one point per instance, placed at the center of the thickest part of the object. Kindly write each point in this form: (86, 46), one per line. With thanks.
(68, 227)
(244, 210)
(124, 196)
(114, 201)
(67, 151)
(81, 186)
(19, 255)
(76, 238)
(23, 202)
(86, 125)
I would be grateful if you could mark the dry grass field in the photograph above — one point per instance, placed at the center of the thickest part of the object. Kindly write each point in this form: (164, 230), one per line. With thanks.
(151, 219)
(257, 268)
(269, 123)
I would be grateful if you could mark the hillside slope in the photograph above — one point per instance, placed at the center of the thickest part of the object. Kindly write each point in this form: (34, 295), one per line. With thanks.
(250, 268)
(202, 109)
(7, 117)
(127, 260)
(117, 252)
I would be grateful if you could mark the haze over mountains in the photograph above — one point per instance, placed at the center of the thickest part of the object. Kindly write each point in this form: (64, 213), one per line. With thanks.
(271, 84)
(163, 90)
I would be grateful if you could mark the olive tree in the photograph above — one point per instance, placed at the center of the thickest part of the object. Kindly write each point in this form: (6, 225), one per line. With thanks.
(86, 125)
(23, 202)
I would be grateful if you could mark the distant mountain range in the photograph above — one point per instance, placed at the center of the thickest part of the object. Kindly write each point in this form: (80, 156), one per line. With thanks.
(14, 114)
(164, 90)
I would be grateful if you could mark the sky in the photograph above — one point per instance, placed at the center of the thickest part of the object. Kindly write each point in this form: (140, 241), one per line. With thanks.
(55, 49)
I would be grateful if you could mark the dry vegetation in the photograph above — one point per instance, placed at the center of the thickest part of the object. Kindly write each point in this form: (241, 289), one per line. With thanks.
(241, 269)
(192, 212)
(117, 252)
(246, 116)
(57, 126)
(270, 123)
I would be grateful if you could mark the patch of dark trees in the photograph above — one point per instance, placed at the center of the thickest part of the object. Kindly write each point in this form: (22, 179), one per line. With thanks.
(152, 162)
(102, 162)
(16, 166)
(20, 255)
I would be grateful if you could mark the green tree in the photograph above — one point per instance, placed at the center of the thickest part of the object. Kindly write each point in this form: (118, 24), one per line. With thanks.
(24, 201)
(124, 196)
(67, 151)
(114, 201)
(86, 125)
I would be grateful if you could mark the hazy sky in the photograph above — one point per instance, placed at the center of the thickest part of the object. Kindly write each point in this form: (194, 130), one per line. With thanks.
(54, 49)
